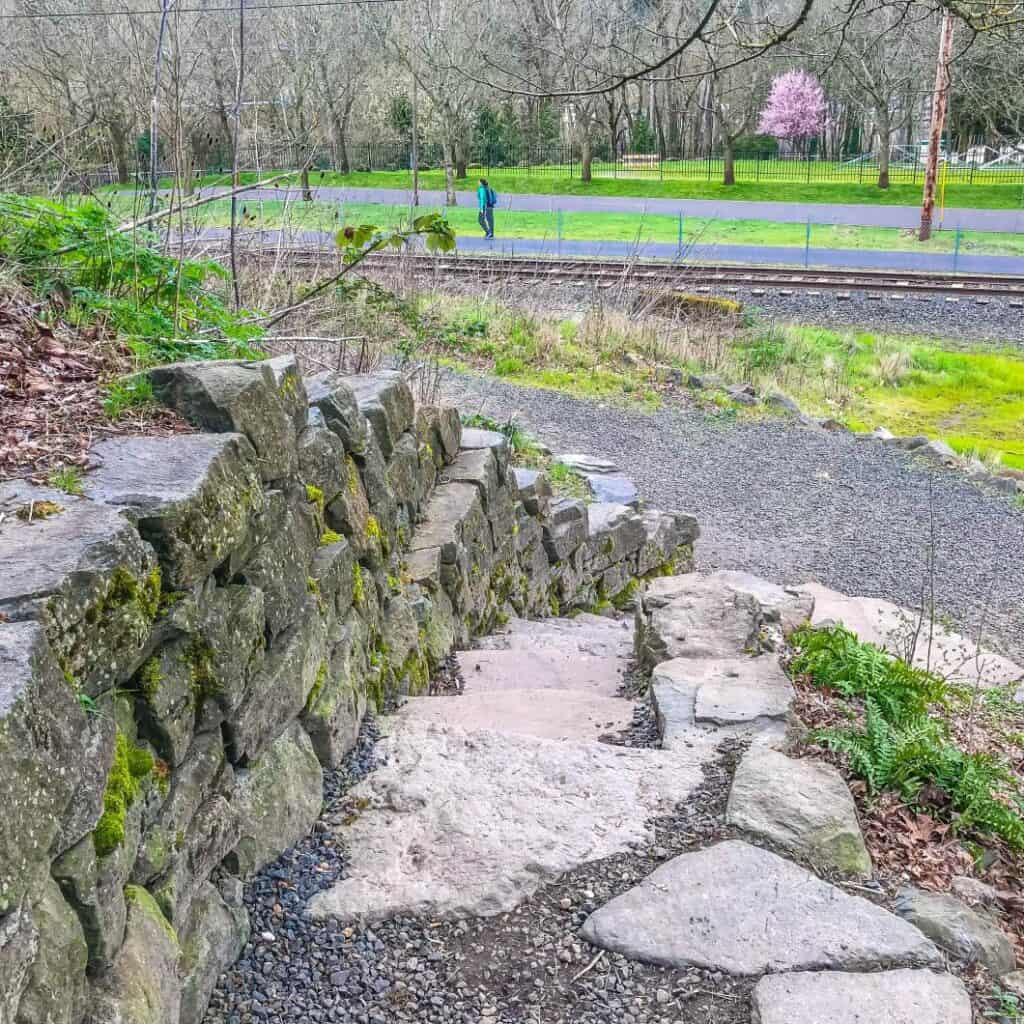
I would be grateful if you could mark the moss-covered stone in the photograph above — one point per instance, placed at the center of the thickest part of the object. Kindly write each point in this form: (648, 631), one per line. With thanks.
(131, 765)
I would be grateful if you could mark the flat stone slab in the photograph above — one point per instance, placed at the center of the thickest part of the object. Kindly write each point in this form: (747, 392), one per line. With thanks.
(586, 634)
(547, 714)
(543, 668)
(831, 997)
(740, 909)
(587, 463)
(690, 693)
(803, 806)
(789, 606)
(458, 823)
(889, 626)
(619, 490)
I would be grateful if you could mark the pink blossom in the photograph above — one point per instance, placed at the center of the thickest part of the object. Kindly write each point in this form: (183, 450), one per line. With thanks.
(796, 107)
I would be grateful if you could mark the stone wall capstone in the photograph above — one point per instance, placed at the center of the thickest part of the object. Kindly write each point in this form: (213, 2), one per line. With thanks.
(188, 645)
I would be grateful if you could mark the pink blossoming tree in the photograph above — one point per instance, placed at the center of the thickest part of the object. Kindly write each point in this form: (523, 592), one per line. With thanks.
(795, 109)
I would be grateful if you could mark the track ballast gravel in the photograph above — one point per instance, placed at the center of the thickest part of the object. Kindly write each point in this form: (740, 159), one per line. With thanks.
(795, 503)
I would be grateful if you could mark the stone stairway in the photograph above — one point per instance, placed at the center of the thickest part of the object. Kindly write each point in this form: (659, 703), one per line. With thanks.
(487, 796)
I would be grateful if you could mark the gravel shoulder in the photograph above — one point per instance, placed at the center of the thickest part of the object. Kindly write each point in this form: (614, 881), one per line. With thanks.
(794, 503)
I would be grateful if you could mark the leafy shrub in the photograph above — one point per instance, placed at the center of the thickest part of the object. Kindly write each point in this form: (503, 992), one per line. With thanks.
(122, 280)
(902, 744)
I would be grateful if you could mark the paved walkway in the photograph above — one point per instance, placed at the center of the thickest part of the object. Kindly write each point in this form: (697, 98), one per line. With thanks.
(791, 213)
(859, 258)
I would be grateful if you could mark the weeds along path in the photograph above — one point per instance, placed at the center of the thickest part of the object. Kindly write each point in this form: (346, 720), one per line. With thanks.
(794, 503)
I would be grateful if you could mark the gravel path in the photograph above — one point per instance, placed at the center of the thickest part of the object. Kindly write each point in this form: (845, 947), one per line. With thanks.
(793, 503)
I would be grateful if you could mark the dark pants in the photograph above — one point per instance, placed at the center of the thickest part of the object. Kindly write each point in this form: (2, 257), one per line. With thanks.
(486, 220)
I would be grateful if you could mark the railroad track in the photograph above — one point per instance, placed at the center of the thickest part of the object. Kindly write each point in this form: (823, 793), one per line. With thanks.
(693, 276)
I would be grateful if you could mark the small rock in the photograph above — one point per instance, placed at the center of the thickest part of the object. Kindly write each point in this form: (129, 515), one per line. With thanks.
(662, 995)
(958, 929)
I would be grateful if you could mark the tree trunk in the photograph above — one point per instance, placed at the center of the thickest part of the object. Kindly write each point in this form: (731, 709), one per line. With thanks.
(728, 169)
(119, 145)
(460, 161)
(939, 101)
(449, 173)
(586, 158)
(884, 136)
(307, 192)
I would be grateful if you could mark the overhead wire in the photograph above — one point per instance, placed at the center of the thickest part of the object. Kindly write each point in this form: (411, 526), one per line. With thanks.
(233, 9)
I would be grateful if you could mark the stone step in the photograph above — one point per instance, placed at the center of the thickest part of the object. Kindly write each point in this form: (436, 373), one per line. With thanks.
(546, 714)
(586, 634)
(741, 696)
(740, 909)
(542, 668)
(832, 997)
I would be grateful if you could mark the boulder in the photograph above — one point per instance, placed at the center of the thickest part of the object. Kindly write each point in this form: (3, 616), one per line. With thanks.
(534, 491)
(479, 467)
(217, 931)
(939, 451)
(203, 773)
(19, 946)
(968, 934)
(441, 429)
(788, 606)
(284, 378)
(280, 567)
(567, 529)
(736, 908)
(87, 575)
(44, 738)
(277, 800)
(171, 685)
(615, 533)
(669, 542)
(696, 617)
(55, 990)
(333, 573)
(279, 690)
(336, 408)
(832, 997)
(385, 400)
(403, 475)
(337, 702)
(474, 438)
(192, 496)
(237, 397)
(142, 985)
(802, 806)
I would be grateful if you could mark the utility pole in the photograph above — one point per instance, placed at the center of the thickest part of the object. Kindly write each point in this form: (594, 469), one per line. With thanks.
(940, 100)
(154, 107)
(414, 154)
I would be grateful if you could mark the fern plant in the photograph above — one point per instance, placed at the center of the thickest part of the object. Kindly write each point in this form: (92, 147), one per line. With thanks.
(834, 658)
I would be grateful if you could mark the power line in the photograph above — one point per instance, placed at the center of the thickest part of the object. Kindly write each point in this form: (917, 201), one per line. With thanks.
(23, 15)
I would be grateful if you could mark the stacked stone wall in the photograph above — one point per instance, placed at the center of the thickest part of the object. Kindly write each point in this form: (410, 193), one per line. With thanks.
(189, 644)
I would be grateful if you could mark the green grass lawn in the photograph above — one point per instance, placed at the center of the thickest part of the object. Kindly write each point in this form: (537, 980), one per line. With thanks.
(604, 227)
(978, 195)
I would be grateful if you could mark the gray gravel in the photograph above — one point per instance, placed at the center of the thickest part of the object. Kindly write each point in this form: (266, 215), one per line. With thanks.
(794, 503)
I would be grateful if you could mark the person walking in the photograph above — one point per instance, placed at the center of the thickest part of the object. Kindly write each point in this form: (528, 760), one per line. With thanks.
(487, 200)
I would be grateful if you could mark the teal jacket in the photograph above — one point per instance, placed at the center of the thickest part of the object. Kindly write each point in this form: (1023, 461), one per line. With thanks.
(481, 196)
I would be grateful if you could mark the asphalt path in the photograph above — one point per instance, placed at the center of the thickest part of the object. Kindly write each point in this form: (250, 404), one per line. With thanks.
(848, 214)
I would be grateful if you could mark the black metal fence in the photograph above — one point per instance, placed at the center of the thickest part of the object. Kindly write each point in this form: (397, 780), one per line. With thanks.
(564, 161)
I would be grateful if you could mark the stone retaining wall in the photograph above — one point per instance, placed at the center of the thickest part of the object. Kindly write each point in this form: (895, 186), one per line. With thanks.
(188, 645)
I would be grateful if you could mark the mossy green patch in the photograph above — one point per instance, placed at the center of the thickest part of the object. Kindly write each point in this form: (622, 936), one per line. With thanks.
(329, 537)
(131, 765)
(358, 592)
(150, 678)
(318, 686)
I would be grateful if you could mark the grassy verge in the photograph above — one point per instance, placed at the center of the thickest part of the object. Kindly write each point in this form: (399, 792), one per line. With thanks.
(974, 400)
(638, 229)
(979, 196)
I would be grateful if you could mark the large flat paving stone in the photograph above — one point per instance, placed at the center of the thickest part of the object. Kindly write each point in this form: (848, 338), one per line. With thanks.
(458, 823)
(740, 909)
(803, 806)
(893, 628)
(831, 997)
(544, 668)
(547, 714)
(745, 695)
